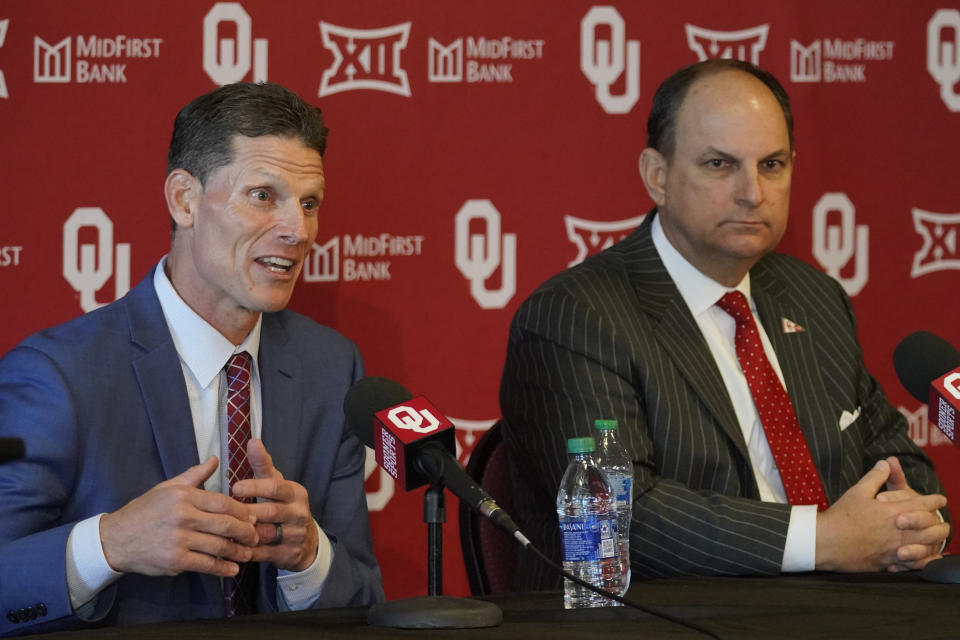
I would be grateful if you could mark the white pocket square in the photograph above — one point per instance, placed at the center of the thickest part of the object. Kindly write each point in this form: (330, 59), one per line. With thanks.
(847, 418)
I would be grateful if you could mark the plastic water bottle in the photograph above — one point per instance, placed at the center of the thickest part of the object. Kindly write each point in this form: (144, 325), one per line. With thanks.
(588, 529)
(615, 462)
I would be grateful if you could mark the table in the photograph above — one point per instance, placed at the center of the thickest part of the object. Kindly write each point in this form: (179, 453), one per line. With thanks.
(899, 606)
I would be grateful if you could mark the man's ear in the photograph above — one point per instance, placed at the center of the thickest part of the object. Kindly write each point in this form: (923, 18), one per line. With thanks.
(182, 191)
(653, 172)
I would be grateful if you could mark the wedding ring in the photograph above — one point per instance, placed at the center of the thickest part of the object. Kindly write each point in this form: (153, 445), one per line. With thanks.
(277, 536)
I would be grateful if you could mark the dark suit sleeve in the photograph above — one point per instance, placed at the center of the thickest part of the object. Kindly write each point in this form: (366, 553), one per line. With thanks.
(569, 364)
(881, 430)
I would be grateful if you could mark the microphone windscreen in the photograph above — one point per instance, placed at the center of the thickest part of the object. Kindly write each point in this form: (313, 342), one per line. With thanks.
(921, 358)
(365, 398)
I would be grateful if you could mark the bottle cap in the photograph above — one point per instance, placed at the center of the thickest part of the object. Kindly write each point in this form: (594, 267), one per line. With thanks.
(605, 425)
(580, 445)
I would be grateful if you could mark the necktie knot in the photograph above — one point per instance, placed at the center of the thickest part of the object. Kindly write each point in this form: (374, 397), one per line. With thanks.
(736, 305)
(238, 371)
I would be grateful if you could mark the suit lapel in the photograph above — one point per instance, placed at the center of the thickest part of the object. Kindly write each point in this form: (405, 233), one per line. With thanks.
(282, 383)
(160, 378)
(802, 374)
(678, 332)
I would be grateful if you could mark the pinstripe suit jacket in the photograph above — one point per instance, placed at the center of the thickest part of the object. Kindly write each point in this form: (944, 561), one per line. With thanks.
(612, 338)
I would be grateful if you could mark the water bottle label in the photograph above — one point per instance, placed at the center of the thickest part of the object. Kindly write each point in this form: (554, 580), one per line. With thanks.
(621, 487)
(588, 538)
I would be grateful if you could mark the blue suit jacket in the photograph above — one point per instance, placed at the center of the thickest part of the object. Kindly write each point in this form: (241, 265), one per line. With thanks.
(102, 406)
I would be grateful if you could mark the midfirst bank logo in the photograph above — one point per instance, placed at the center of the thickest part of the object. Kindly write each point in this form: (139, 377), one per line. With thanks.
(939, 251)
(228, 59)
(744, 45)
(835, 60)
(921, 431)
(446, 62)
(365, 59)
(604, 61)
(54, 63)
(363, 257)
(943, 54)
(479, 255)
(591, 237)
(87, 267)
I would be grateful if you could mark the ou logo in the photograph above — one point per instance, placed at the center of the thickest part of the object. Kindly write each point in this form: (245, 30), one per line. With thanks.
(943, 55)
(950, 384)
(227, 60)
(87, 267)
(835, 245)
(477, 255)
(409, 418)
(604, 61)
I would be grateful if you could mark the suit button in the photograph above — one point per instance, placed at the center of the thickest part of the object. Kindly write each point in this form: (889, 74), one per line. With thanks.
(23, 614)
(42, 609)
(12, 617)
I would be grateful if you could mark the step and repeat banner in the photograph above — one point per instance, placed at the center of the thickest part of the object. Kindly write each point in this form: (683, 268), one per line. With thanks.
(477, 148)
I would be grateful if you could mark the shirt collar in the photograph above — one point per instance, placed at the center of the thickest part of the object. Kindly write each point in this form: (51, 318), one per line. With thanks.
(203, 349)
(699, 291)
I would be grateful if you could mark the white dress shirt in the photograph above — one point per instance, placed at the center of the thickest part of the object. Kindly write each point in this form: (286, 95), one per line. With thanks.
(203, 352)
(719, 329)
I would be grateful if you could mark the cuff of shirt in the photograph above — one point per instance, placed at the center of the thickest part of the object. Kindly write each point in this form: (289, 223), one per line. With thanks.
(301, 589)
(800, 550)
(88, 572)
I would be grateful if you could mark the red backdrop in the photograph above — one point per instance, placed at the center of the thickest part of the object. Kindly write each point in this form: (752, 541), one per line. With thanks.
(476, 149)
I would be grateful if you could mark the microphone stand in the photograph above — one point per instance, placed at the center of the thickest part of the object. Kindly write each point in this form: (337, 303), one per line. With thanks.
(435, 610)
(434, 514)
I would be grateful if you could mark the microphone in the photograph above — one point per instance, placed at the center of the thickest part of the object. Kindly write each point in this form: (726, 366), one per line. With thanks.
(414, 443)
(11, 449)
(382, 413)
(929, 368)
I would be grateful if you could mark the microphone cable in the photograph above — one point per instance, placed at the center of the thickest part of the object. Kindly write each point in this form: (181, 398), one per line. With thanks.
(529, 546)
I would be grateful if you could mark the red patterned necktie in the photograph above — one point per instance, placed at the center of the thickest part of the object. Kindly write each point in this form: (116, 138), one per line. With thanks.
(801, 481)
(238, 419)
(242, 587)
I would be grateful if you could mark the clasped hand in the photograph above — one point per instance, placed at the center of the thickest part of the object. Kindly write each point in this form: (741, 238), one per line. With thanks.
(177, 526)
(872, 529)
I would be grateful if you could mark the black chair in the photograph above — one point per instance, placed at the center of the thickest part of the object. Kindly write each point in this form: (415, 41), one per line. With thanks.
(490, 555)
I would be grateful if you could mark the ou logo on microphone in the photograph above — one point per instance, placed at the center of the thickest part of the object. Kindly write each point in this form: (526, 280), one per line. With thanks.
(477, 256)
(409, 418)
(603, 61)
(833, 246)
(227, 60)
(950, 384)
(88, 274)
(943, 58)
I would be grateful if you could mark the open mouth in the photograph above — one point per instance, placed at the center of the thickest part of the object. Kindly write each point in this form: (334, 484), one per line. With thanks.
(277, 265)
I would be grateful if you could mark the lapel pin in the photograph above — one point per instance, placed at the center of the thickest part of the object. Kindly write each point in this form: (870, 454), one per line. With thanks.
(789, 326)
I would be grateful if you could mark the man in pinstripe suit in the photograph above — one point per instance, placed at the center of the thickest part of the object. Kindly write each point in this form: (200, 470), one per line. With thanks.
(634, 334)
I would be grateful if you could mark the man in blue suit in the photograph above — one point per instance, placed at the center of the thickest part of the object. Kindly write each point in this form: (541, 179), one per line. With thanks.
(121, 512)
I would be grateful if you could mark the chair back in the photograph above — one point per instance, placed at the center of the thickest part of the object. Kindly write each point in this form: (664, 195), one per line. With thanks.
(490, 555)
